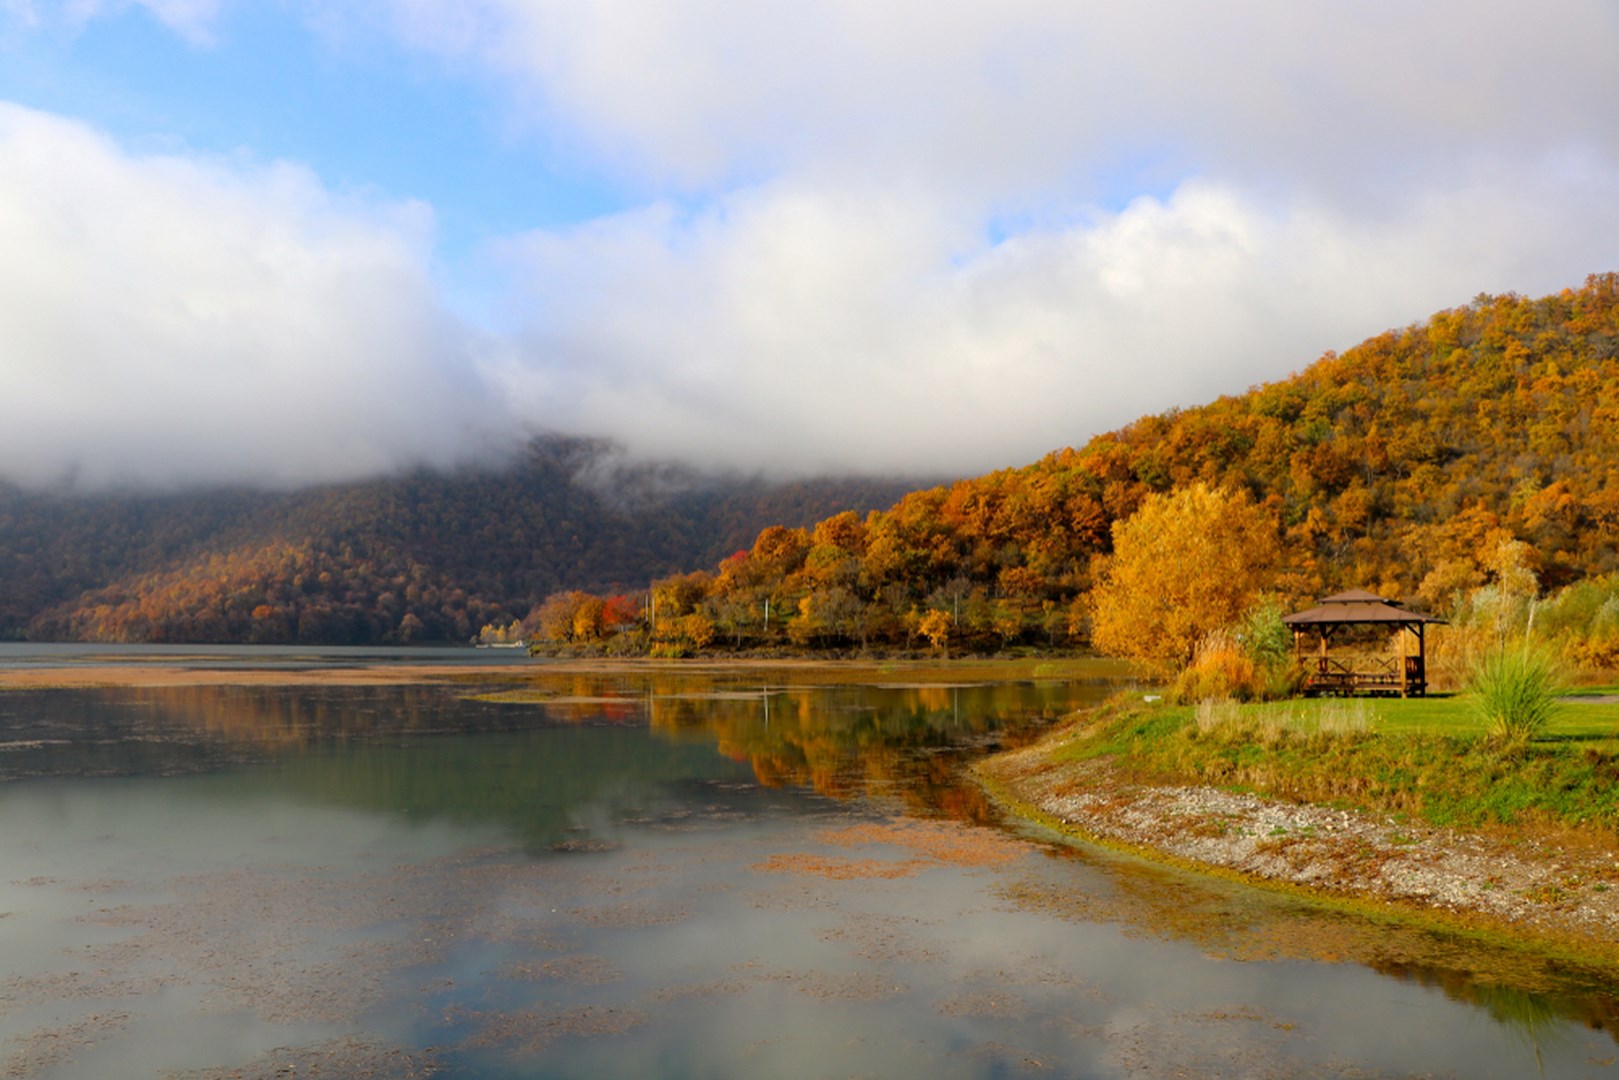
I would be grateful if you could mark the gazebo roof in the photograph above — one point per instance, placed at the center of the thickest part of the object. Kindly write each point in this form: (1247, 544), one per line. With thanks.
(1356, 606)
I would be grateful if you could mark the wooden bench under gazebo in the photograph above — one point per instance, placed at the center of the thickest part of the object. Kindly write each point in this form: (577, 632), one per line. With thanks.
(1395, 672)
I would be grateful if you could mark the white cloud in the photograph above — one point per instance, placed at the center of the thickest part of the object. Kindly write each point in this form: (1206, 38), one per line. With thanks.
(1042, 94)
(191, 19)
(173, 320)
(832, 328)
(21, 12)
(943, 235)
(809, 284)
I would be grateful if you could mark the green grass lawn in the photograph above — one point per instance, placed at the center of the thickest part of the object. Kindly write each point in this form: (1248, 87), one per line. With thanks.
(1426, 757)
(1582, 718)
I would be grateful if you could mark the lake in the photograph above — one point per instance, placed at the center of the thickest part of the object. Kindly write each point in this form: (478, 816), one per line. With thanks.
(653, 873)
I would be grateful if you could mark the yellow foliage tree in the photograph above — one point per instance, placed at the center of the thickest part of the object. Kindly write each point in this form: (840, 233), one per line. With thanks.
(698, 629)
(587, 619)
(1186, 563)
(935, 626)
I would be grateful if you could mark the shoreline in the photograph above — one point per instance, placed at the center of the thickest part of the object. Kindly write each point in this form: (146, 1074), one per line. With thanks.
(1534, 888)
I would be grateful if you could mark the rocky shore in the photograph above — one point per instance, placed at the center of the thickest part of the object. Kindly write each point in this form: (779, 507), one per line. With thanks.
(1564, 888)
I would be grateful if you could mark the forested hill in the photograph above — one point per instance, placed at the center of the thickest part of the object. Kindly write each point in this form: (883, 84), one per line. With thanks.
(1398, 466)
(423, 557)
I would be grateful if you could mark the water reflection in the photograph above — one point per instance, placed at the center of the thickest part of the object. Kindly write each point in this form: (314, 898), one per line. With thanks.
(900, 742)
(903, 742)
(646, 876)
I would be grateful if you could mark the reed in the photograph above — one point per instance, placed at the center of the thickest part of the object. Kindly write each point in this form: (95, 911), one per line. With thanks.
(1516, 691)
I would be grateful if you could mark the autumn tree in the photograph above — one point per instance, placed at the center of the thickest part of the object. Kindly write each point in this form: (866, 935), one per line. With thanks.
(556, 614)
(673, 598)
(697, 628)
(935, 626)
(620, 613)
(587, 619)
(1186, 563)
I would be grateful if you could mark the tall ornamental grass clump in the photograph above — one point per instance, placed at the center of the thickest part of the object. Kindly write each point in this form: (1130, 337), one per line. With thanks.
(1220, 671)
(1252, 661)
(1517, 691)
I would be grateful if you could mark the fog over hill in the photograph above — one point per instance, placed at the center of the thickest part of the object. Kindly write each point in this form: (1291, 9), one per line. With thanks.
(1425, 463)
(1400, 465)
(433, 554)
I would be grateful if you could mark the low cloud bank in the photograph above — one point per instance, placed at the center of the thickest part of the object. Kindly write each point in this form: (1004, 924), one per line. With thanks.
(172, 320)
(899, 237)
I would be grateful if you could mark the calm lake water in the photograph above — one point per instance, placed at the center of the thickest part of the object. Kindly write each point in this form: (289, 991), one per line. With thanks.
(658, 875)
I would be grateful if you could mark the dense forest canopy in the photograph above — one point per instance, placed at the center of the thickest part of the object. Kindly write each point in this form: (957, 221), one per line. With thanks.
(1401, 466)
(430, 556)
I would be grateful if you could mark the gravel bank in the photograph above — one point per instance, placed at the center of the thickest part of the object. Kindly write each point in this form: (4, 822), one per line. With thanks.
(1548, 887)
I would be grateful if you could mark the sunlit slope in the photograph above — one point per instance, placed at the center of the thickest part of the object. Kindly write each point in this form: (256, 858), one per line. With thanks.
(1397, 466)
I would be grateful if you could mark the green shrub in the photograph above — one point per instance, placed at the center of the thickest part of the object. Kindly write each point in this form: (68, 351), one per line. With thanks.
(1585, 608)
(1264, 637)
(1517, 691)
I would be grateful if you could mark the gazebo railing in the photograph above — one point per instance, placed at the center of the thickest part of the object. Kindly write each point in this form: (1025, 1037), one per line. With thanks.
(1375, 673)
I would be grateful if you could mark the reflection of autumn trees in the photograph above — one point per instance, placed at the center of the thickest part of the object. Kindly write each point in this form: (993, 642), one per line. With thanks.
(840, 740)
(1398, 466)
(163, 730)
(1533, 1014)
(272, 718)
(900, 742)
(904, 743)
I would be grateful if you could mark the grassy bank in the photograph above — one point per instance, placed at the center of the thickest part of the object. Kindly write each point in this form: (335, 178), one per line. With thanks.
(1429, 758)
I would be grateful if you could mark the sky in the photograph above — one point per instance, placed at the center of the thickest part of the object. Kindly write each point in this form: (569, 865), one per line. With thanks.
(296, 241)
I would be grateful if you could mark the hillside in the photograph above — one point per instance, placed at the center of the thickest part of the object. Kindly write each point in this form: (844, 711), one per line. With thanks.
(432, 556)
(1398, 466)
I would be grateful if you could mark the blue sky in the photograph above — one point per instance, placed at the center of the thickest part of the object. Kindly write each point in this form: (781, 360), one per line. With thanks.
(290, 241)
(369, 117)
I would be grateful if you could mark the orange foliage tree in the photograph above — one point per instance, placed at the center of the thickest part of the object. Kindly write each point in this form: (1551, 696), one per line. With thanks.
(1186, 563)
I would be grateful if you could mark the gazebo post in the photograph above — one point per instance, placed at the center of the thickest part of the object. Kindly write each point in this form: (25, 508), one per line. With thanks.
(1405, 668)
(1422, 661)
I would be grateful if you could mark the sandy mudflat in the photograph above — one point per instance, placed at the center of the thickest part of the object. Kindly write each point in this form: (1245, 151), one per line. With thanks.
(106, 675)
(172, 671)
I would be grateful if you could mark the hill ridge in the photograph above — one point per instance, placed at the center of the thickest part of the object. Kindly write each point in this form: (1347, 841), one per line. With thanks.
(1397, 466)
(426, 555)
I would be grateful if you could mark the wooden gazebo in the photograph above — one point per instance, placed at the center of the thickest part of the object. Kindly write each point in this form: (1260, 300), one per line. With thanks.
(1398, 672)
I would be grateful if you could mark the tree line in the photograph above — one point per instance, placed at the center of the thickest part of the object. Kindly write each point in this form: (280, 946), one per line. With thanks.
(1401, 466)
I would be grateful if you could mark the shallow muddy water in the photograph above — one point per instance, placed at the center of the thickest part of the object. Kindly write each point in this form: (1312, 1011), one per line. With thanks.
(653, 875)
